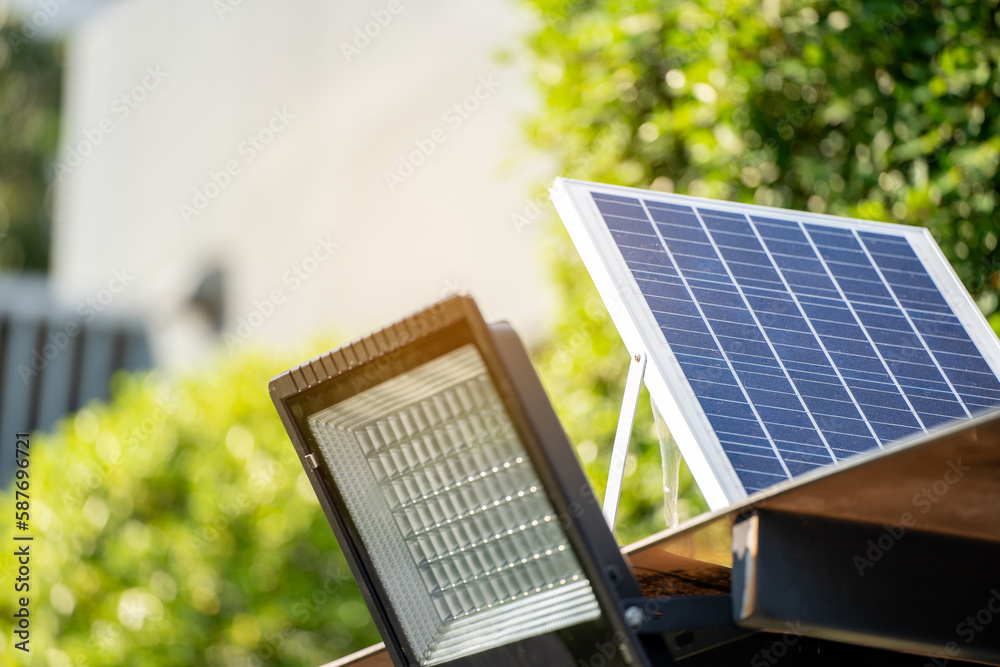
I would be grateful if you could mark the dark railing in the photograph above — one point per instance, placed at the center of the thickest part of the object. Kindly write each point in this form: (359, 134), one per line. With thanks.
(53, 365)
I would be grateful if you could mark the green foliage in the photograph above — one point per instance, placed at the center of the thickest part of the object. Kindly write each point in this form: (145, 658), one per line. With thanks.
(30, 90)
(175, 526)
(879, 110)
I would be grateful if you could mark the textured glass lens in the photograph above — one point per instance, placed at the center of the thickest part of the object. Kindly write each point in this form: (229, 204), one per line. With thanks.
(452, 513)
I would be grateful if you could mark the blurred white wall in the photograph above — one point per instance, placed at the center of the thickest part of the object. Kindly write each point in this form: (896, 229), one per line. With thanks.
(162, 94)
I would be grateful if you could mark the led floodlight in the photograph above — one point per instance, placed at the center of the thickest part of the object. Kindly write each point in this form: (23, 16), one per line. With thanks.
(455, 494)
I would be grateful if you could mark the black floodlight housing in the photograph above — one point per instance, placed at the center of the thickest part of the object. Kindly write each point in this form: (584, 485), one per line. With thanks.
(457, 499)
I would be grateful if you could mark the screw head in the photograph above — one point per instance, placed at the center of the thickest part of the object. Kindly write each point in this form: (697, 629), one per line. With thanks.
(633, 618)
(636, 357)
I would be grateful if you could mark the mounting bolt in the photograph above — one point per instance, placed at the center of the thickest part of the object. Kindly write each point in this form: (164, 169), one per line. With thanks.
(633, 618)
(637, 357)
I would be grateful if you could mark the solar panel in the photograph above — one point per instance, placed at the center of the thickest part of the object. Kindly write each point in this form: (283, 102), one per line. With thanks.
(778, 341)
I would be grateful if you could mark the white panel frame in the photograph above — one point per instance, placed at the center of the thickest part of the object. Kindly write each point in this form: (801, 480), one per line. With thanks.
(666, 382)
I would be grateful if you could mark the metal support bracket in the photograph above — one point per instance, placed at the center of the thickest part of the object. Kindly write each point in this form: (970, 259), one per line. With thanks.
(654, 615)
(689, 625)
(884, 584)
(619, 454)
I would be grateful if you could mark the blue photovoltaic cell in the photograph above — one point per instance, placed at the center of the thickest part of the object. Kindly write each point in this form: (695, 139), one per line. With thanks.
(804, 343)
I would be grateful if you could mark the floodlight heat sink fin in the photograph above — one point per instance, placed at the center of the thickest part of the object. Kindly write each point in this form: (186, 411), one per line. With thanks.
(781, 342)
(343, 359)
